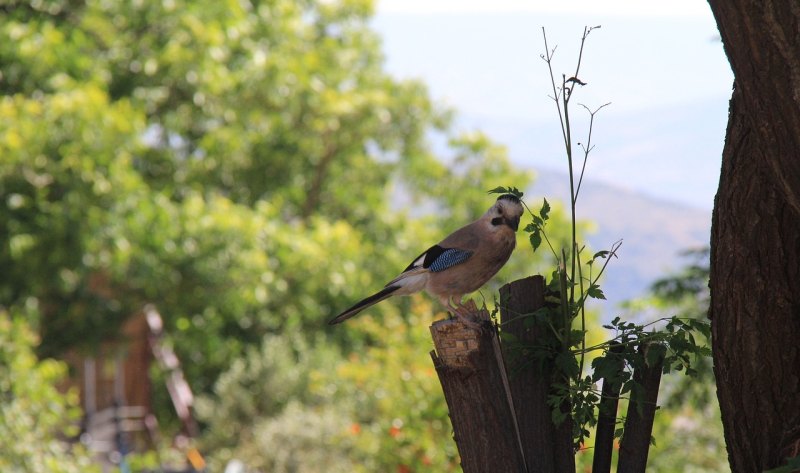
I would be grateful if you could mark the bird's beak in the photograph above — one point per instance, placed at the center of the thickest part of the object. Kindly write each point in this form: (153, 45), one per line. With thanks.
(513, 223)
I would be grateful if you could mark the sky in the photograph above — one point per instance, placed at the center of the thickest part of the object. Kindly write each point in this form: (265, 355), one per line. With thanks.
(661, 65)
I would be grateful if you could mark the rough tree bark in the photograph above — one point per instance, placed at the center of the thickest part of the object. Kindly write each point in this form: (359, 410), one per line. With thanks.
(755, 241)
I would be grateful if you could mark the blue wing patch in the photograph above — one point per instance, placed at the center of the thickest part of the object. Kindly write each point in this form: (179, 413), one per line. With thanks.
(449, 258)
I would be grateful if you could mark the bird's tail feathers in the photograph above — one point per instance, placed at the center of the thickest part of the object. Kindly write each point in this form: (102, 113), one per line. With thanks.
(369, 301)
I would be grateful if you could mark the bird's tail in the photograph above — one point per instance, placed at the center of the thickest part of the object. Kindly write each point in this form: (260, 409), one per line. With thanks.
(369, 301)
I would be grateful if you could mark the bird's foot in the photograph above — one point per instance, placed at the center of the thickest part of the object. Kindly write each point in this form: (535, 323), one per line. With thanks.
(467, 320)
(466, 314)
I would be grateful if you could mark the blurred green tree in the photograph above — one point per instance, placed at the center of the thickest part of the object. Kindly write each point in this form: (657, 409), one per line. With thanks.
(205, 156)
(245, 166)
(35, 417)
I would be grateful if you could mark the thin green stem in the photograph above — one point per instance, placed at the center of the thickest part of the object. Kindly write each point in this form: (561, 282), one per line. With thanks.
(566, 311)
(588, 147)
(582, 310)
(611, 253)
(633, 341)
(548, 57)
(568, 142)
(544, 234)
(586, 31)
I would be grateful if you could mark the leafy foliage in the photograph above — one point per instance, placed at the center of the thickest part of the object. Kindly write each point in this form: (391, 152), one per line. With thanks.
(268, 396)
(32, 411)
(507, 190)
(380, 409)
(238, 165)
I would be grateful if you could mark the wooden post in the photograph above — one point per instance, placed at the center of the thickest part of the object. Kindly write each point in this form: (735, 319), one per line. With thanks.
(466, 361)
(635, 443)
(607, 416)
(546, 448)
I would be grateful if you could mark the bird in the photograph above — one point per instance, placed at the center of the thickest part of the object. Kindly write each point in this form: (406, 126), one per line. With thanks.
(459, 264)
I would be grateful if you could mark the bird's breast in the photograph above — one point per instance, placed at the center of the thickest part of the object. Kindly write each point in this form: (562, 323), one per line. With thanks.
(476, 271)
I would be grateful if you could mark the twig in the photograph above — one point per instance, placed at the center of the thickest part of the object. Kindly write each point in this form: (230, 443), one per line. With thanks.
(588, 147)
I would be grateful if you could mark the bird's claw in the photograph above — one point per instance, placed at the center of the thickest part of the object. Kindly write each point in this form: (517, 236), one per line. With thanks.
(467, 320)
(465, 313)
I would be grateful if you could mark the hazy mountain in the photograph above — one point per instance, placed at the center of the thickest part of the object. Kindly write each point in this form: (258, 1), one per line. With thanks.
(654, 232)
(664, 130)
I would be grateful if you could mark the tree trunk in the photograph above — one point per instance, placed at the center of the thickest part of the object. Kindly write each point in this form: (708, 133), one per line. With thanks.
(755, 241)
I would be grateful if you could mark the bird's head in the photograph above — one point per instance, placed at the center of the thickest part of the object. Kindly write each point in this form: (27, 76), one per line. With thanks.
(506, 211)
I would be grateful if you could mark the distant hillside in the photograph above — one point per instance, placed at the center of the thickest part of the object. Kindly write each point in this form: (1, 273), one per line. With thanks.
(654, 232)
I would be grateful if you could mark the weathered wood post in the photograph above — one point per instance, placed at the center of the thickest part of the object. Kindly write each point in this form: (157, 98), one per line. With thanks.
(607, 415)
(466, 361)
(546, 448)
(498, 399)
(635, 445)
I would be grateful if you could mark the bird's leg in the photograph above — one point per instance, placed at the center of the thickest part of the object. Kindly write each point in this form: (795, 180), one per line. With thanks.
(462, 312)
(453, 307)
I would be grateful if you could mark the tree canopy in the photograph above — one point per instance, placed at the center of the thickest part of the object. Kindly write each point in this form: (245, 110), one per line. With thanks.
(234, 162)
(243, 166)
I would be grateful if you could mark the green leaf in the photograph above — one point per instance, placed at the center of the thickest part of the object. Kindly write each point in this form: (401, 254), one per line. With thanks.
(595, 292)
(704, 351)
(508, 337)
(567, 363)
(536, 240)
(626, 386)
(558, 416)
(545, 210)
(507, 190)
(605, 367)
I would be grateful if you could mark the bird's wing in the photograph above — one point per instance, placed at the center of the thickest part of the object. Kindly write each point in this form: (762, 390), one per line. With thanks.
(453, 250)
(465, 238)
(438, 258)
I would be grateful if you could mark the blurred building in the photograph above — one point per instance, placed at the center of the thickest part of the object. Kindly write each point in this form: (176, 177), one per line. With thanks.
(116, 393)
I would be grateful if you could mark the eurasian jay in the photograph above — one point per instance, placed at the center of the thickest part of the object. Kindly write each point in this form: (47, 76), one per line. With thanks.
(459, 264)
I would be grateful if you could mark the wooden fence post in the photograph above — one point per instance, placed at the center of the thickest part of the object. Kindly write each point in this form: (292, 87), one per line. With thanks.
(466, 361)
(635, 443)
(546, 448)
(607, 416)
(498, 401)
